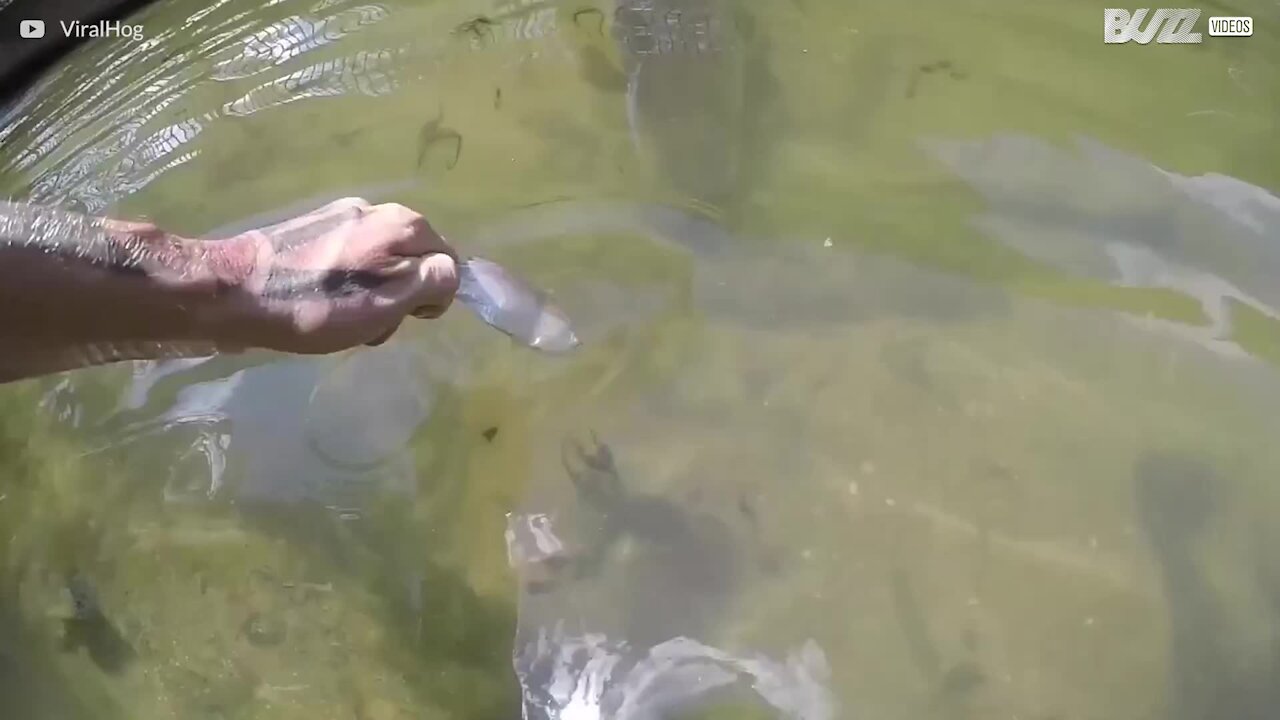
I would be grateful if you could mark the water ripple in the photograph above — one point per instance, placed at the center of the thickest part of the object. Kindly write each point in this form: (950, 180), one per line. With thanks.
(104, 127)
(284, 40)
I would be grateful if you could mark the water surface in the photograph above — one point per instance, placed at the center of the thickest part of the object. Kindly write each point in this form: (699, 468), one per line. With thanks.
(929, 371)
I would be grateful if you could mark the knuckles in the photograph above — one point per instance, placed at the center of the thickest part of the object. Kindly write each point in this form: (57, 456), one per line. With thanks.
(409, 222)
(401, 214)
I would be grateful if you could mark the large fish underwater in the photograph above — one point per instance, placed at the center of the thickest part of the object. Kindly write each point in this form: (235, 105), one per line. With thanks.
(1099, 213)
(684, 62)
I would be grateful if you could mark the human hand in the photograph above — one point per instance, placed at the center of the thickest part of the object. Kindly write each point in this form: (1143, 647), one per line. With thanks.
(340, 276)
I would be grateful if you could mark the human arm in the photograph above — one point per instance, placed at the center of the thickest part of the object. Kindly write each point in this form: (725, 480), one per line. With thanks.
(77, 291)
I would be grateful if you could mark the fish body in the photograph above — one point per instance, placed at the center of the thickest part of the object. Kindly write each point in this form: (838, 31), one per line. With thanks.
(511, 305)
(684, 63)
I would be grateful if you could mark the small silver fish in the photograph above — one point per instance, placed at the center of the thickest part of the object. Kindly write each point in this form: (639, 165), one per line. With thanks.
(513, 306)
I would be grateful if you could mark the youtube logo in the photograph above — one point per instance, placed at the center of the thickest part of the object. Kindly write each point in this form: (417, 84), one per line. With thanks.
(33, 29)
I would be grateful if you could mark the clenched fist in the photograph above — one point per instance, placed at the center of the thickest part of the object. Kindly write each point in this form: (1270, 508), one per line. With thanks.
(343, 275)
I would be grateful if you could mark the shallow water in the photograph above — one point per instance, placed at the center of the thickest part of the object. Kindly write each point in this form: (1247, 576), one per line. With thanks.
(934, 350)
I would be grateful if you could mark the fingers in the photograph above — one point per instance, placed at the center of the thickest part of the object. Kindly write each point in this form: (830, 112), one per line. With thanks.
(439, 283)
(430, 312)
(384, 336)
(433, 282)
(425, 290)
(416, 273)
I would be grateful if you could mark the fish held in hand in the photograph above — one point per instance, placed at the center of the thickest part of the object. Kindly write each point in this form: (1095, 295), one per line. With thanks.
(511, 305)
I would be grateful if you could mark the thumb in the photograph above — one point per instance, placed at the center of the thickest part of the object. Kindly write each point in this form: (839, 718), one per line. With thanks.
(437, 284)
(419, 283)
